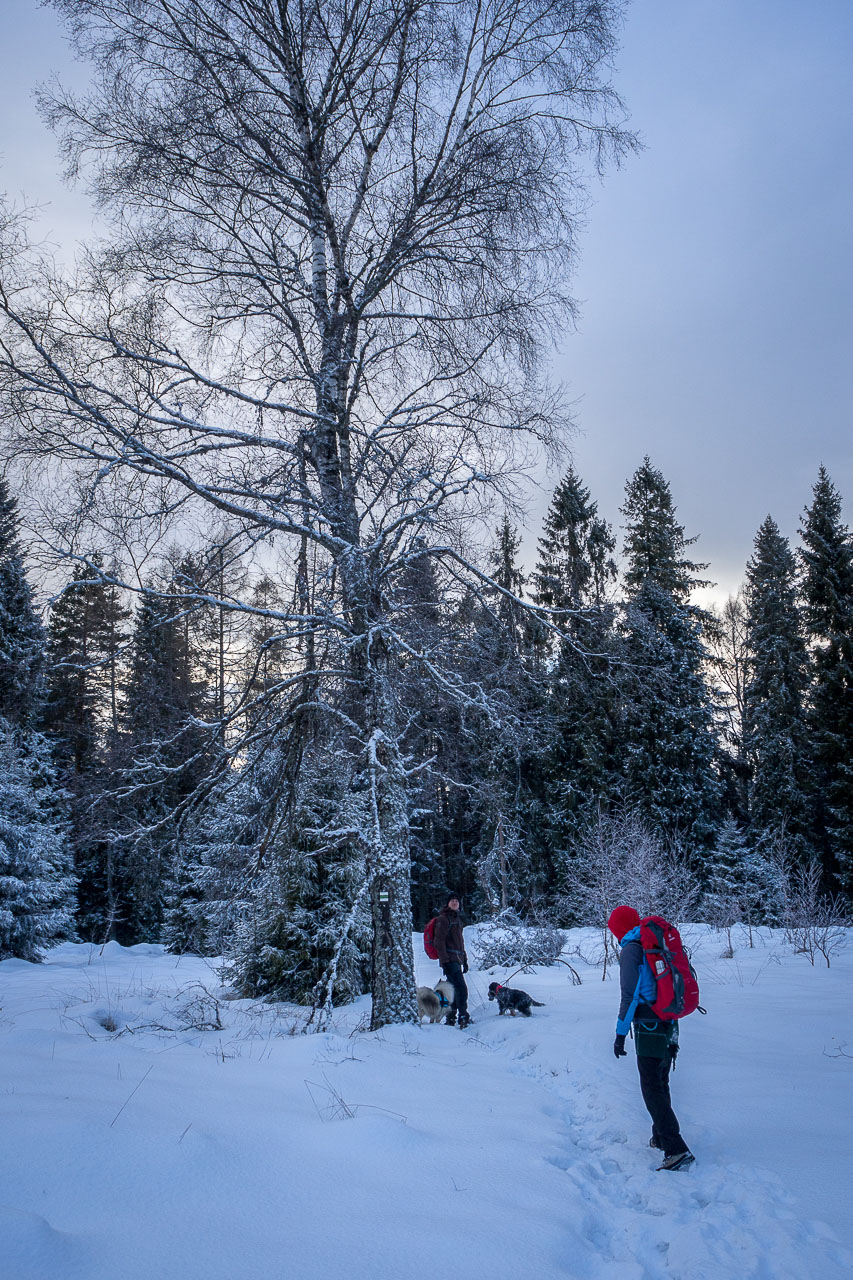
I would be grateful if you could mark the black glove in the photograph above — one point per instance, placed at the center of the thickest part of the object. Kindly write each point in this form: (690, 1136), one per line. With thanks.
(619, 1050)
(465, 966)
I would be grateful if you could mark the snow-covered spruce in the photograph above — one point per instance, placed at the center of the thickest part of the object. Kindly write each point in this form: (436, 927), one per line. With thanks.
(774, 723)
(37, 885)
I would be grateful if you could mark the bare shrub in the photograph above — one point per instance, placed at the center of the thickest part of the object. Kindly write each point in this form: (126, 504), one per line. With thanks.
(815, 922)
(620, 859)
(201, 1011)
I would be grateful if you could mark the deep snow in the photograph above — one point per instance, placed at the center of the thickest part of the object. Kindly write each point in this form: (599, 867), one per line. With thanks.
(134, 1149)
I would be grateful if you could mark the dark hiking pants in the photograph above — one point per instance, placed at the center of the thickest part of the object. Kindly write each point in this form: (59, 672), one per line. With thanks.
(453, 974)
(654, 1083)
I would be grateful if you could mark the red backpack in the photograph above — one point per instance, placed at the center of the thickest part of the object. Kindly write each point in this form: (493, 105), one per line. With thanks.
(429, 942)
(677, 984)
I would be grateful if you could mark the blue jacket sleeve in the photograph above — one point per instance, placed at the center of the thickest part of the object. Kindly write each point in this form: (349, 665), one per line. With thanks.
(631, 961)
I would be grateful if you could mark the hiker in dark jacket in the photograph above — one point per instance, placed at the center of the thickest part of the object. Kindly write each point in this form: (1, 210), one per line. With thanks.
(656, 1040)
(450, 946)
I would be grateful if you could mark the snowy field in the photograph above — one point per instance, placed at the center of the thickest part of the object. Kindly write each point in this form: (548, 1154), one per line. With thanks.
(136, 1147)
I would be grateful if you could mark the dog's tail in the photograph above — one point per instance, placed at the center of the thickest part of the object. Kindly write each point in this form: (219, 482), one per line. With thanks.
(538, 1003)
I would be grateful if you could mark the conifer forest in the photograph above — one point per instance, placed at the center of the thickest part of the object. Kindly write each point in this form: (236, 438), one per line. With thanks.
(274, 675)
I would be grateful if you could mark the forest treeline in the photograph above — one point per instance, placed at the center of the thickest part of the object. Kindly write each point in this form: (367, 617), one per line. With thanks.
(176, 771)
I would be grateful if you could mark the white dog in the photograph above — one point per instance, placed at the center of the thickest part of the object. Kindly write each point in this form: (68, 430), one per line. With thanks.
(429, 1005)
(444, 994)
(434, 1004)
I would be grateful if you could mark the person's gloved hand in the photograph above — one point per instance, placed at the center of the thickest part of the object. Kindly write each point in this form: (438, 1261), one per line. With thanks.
(619, 1050)
(464, 966)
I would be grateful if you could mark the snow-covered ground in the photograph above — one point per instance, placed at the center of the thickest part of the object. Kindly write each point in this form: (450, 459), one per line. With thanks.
(135, 1147)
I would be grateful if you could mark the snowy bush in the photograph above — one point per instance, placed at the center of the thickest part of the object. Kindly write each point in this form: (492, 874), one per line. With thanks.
(619, 858)
(37, 886)
(743, 885)
(258, 887)
(297, 941)
(506, 941)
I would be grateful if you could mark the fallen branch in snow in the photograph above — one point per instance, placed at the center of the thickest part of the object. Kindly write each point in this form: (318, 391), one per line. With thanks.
(577, 980)
(839, 1051)
(80, 1023)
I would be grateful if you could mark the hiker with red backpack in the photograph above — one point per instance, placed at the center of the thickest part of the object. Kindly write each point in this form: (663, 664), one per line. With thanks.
(449, 946)
(658, 987)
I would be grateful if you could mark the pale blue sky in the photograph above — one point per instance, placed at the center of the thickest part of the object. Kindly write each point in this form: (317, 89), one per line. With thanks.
(716, 275)
(717, 270)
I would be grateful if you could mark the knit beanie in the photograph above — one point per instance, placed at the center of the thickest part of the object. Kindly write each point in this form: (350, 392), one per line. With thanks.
(622, 920)
(451, 895)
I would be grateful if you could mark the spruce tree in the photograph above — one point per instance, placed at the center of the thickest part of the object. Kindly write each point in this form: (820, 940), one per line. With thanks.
(76, 645)
(436, 745)
(81, 719)
(287, 913)
(500, 659)
(165, 749)
(574, 577)
(728, 646)
(22, 639)
(85, 637)
(36, 885)
(668, 745)
(774, 725)
(740, 883)
(827, 588)
(576, 568)
(512, 636)
(265, 657)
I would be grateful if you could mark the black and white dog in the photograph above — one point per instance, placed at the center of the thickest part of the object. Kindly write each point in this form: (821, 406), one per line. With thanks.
(512, 1000)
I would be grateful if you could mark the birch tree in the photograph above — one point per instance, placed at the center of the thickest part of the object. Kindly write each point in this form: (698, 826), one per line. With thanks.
(338, 240)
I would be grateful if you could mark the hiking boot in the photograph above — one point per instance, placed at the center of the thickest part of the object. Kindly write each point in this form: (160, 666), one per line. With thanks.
(450, 1020)
(682, 1161)
(464, 1021)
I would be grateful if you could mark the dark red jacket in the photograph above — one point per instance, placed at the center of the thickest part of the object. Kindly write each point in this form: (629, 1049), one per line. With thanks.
(448, 939)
